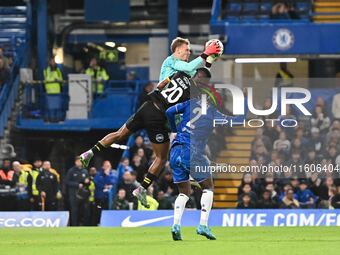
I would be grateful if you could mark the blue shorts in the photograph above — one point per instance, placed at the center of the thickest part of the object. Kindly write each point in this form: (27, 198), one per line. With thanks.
(184, 165)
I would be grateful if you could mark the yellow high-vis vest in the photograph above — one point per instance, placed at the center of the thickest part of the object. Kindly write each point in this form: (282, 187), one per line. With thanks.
(50, 76)
(99, 74)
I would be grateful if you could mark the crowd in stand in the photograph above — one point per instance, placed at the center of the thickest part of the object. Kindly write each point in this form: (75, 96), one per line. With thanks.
(84, 192)
(5, 64)
(313, 146)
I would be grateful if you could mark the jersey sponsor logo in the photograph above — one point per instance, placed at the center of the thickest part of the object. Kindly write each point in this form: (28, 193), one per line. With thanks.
(128, 223)
(159, 138)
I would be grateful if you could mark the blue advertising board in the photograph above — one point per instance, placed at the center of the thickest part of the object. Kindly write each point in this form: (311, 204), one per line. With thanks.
(33, 219)
(279, 39)
(224, 218)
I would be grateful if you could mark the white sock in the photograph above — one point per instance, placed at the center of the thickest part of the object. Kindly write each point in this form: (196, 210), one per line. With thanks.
(206, 204)
(180, 203)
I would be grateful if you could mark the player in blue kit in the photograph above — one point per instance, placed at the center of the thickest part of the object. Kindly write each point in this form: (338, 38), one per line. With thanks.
(188, 151)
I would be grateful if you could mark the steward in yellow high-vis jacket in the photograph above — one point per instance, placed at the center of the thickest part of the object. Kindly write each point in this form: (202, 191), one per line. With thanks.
(52, 77)
(98, 75)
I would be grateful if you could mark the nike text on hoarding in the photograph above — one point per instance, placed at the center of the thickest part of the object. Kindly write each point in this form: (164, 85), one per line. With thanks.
(280, 220)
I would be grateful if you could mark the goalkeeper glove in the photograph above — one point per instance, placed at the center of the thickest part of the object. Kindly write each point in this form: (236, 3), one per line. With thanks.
(211, 49)
(211, 59)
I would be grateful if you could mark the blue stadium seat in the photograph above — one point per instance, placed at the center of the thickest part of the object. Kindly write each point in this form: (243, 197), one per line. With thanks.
(248, 18)
(117, 104)
(54, 108)
(302, 7)
(234, 7)
(266, 8)
(250, 7)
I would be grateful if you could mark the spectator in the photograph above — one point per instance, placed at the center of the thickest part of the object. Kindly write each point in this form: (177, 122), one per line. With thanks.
(248, 179)
(8, 197)
(90, 218)
(299, 134)
(320, 119)
(134, 178)
(290, 119)
(4, 73)
(246, 202)
(98, 75)
(32, 187)
(47, 184)
(246, 189)
(77, 182)
(276, 158)
(20, 178)
(4, 58)
(288, 201)
(335, 199)
(332, 154)
(10, 61)
(284, 78)
(305, 196)
(311, 157)
(261, 155)
(166, 183)
(123, 166)
(266, 201)
(333, 136)
(164, 201)
(284, 10)
(271, 188)
(282, 144)
(283, 193)
(131, 76)
(267, 105)
(336, 104)
(271, 131)
(141, 154)
(263, 138)
(139, 143)
(139, 167)
(120, 202)
(53, 78)
(322, 189)
(316, 141)
(297, 145)
(295, 159)
(129, 184)
(106, 181)
(294, 182)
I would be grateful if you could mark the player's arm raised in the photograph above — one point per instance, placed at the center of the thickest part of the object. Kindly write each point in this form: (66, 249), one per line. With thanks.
(198, 62)
(171, 113)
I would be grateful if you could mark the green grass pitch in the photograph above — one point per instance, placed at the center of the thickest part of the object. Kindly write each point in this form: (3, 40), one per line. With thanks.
(157, 240)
